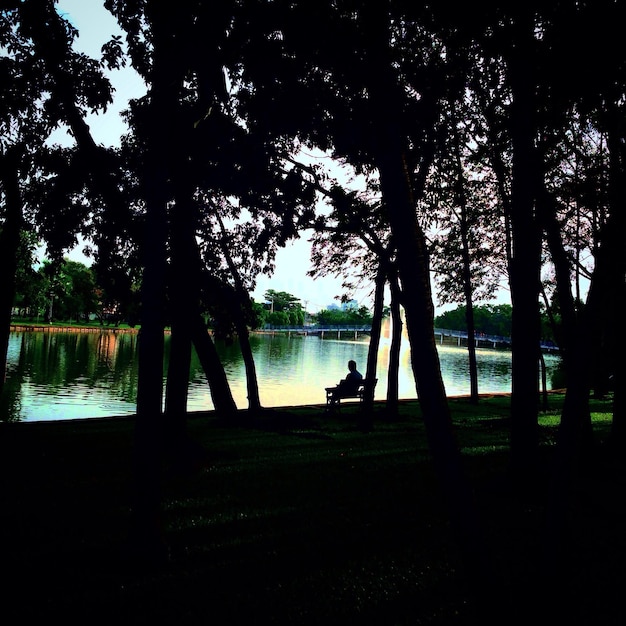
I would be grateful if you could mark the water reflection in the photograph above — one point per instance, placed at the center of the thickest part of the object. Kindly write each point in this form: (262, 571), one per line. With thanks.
(63, 375)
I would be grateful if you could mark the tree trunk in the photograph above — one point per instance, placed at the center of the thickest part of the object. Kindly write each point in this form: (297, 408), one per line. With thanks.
(365, 415)
(544, 383)
(252, 383)
(413, 266)
(221, 394)
(471, 346)
(146, 532)
(616, 233)
(525, 264)
(9, 244)
(183, 302)
(177, 389)
(577, 336)
(394, 349)
(618, 384)
(466, 275)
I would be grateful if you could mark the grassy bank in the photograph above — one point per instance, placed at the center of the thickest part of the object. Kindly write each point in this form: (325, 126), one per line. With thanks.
(296, 518)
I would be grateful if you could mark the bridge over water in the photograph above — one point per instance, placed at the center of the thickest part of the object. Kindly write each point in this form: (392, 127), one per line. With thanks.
(443, 335)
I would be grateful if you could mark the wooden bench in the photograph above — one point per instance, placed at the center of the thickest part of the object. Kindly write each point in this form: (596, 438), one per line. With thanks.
(365, 386)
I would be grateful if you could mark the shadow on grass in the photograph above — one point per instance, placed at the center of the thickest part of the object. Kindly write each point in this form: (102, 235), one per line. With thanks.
(286, 517)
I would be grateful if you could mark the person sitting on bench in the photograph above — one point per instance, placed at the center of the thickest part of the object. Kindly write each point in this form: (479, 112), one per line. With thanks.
(348, 386)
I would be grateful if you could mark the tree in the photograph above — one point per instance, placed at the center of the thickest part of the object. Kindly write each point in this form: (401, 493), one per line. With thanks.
(359, 73)
(281, 301)
(595, 97)
(376, 105)
(462, 255)
(206, 147)
(491, 319)
(29, 292)
(72, 286)
(236, 89)
(37, 94)
(350, 314)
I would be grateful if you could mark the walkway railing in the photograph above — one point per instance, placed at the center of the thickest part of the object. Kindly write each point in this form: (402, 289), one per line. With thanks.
(482, 339)
(321, 330)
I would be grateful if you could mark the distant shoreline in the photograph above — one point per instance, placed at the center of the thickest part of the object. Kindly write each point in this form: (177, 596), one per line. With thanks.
(48, 328)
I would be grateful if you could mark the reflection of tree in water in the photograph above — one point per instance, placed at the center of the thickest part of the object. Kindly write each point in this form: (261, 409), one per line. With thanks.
(11, 396)
(11, 399)
(107, 346)
(279, 348)
(47, 358)
(230, 356)
(122, 376)
(80, 358)
(102, 360)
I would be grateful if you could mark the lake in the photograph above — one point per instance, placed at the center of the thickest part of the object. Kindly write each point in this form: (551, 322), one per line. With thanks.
(72, 375)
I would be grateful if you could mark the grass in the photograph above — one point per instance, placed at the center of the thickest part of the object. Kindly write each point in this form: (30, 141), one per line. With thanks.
(295, 518)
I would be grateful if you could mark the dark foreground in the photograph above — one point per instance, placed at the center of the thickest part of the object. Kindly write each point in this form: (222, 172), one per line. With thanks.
(295, 519)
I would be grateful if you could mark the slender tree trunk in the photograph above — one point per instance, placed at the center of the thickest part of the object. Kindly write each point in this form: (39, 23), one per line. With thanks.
(9, 245)
(413, 266)
(471, 346)
(221, 393)
(394, 348)
(616, 233)
(577, 339)
(252, 383)
(146, 532)
(618, 384)
(466, 274)
(177, 388)
(183, 302)
(365, 415)
(417, 300)
(185, 306)
(525, 264)
(544, 383)
(377, 320)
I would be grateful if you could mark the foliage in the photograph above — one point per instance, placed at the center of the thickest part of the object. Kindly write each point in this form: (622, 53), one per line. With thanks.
(281, 301)
(283, 309)
(351, 314)
(489, 319)
(27, 288)
(464, 213)
(71, 291)
(67, 291)
(493, 319)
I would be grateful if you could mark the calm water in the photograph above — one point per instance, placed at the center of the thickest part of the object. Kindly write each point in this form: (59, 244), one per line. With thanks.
(54, 376)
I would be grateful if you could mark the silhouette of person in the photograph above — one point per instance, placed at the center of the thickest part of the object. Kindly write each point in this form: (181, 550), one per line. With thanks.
(347, 386)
